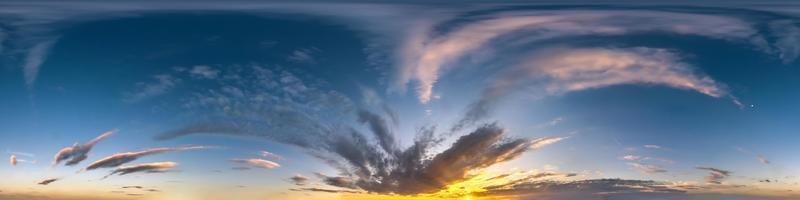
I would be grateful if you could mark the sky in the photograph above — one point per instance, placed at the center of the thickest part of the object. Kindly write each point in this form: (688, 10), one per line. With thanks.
(399, 100)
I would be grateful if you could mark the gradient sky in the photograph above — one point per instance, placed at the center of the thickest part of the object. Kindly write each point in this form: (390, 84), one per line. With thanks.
(386, 100)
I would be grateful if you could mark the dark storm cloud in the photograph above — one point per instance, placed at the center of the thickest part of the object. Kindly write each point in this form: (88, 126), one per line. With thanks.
(157, 167)
(48, 181)
(78, 152)
(118, 159)
(715, 175)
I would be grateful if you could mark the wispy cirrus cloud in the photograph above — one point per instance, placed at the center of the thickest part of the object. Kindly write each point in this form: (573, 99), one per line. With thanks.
(304, 55)
(541, 142)
(156, 167)
(118, 159)
(34, 60)
(646, 168)
(270, 155)
(78, 152)
(145, 90)
(260, 163)
(652, 146)
(440, 52)
(560, 70)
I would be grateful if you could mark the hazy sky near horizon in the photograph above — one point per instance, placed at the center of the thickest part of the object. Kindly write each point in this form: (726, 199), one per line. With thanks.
(357, 100)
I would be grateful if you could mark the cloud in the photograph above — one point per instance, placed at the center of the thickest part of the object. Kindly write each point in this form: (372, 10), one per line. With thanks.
(541, 142)
(716, 175)
(338, 181)
(551, 123)
(380, 129)
(652, 146)
(13, 160)
(648, 169)
(386, 168)
(299, 180)
(163, 83)
(642, 158)
(763, 160)
(48, 181)
(324, 190)
(33, 62)
(78, 152)
(304, 55)
(787, 36)
(560, 70)
(240, 168)
(156, 167)
(118, 159)
(267, 154)
(439, 52)
(203, 72)
(582, 189)
(760, 157)
(260, 163)
(632, 157)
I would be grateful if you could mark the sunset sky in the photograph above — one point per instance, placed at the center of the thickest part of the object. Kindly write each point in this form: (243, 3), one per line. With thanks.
(247, 100)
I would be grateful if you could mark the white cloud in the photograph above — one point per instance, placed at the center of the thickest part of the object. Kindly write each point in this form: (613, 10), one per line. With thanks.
(652, 146)
(569, 70)
(434, 55)
(261, 163)
(304, 55)
(648, 169)
(632, 157)
(163, 83)
(204, 72)
(33, 62)
(13, 160)
(541, 142)
(270, 155)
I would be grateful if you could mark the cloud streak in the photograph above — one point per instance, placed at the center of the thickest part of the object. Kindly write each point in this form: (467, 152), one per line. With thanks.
(34, 60)
(78, 152)
(440, 52)
(560, 70)
(146, 90)
(48, 181)
(645, 168)
(299, 180)
(118, 159)
(260, 163)
(156, 167)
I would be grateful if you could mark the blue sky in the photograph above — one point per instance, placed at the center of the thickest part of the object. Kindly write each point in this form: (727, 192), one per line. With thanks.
(697, 99)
